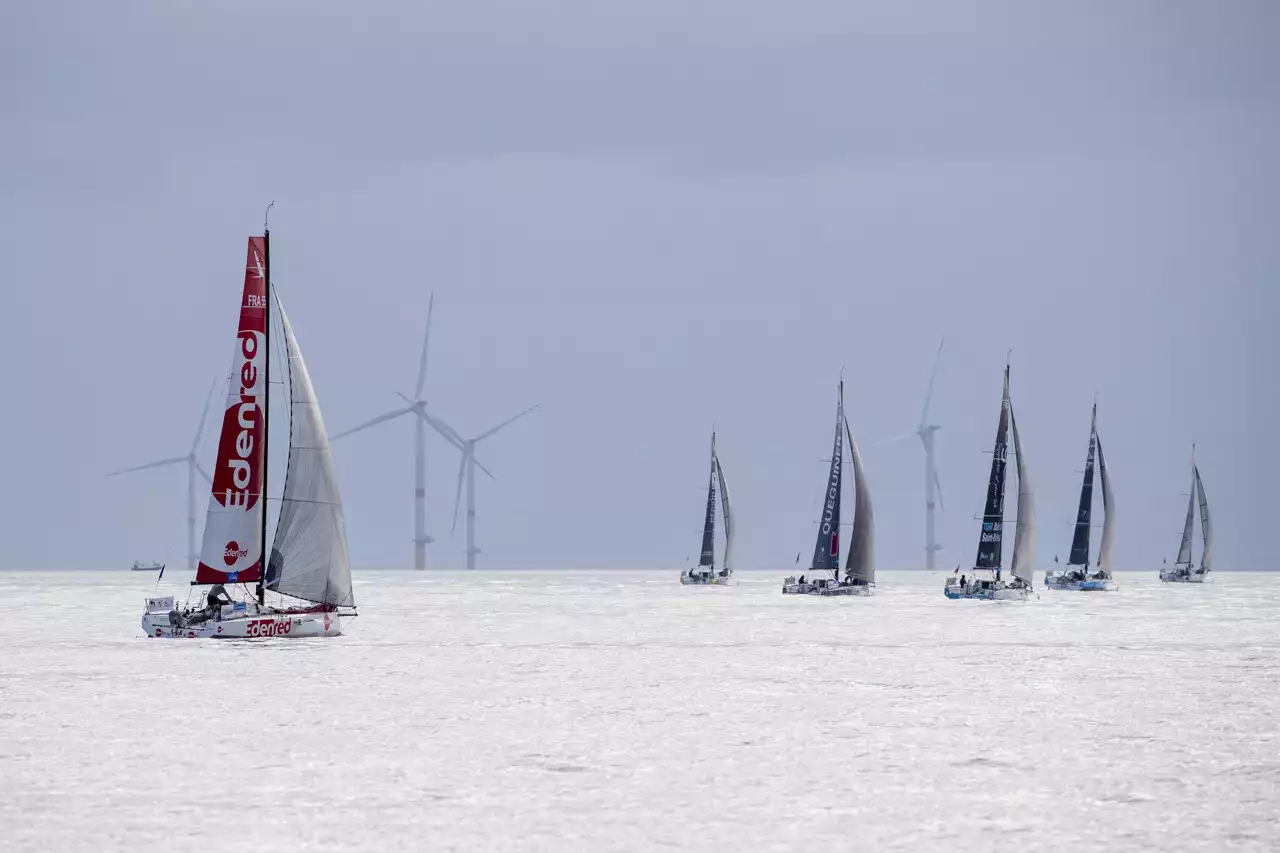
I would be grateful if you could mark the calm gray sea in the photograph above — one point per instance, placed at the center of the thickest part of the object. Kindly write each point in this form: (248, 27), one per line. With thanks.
(620, 711)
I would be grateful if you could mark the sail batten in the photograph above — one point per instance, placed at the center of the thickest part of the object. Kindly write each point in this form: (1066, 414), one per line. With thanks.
(1108, 513)
(826, 551)
(309, 558)
(860, 564)
(231, 550)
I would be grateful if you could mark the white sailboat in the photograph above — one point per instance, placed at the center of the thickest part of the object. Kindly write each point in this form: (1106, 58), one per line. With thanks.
(1077, 576)
(1184, 569)
(307, 572)
(705, 573)
(859, 570)
(984, 581)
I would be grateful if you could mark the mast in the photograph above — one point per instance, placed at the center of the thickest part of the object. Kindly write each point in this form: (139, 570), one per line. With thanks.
(266, 398)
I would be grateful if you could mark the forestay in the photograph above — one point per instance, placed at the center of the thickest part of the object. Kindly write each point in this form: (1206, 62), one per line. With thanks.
(309, 559)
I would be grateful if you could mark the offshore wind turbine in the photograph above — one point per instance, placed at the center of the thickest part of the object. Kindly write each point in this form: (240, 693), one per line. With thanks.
(193, 467)
(932, 486)
(418, 408)
(467, 471)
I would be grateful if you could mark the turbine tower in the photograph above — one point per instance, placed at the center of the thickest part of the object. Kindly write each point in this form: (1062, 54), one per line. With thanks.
(418, 408)
(467, 470)
(932, 486)
(193, 467)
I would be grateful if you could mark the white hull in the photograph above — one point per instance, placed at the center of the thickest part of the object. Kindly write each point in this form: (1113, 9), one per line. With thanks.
(1065, 584)
(327, 624)
(824, 588)
(1184, 577)
(708, 580)
(986, 591)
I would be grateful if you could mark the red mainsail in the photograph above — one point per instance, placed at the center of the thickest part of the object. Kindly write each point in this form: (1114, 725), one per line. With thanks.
(232, 547)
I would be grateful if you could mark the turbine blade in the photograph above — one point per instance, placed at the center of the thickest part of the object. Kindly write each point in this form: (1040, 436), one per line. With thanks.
(938, 484)
(204, 416)
(893, 440)
(446, 432)
(933, 374)
(204, 473)
(160, 463)
(374, 422)
(487, 472)
(457, 498)
(422, 365)
(482, 436)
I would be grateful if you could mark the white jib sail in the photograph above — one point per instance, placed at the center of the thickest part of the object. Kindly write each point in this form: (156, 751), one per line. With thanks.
(309, 558)
(727, 506)
(1108, 513)
(1024, 540)
(1206, 527)
(862, 547)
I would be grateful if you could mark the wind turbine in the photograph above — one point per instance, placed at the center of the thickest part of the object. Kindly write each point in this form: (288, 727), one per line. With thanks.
(467, 470)
(418, 408)
(193, 467)
(932, 486)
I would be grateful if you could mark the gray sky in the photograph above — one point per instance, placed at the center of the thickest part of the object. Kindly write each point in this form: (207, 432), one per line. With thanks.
(648, 217)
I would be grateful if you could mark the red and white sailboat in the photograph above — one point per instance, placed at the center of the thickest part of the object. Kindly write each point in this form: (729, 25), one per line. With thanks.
(303, 588)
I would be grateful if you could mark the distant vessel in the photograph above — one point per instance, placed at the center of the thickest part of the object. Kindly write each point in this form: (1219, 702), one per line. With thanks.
(1184, 570)
(307, 566)
(984, 580)
(705, 573)
(153, 566)
(1076, 576)
(860, 573)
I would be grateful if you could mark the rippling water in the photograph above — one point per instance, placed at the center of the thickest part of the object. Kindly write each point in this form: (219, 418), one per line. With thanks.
(620, 711)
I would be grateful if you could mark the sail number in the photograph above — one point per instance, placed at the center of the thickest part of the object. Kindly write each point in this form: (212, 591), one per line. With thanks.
(267, 628)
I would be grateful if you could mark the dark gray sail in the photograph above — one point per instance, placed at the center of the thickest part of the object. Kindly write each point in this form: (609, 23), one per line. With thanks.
(1080, 542)
(1184, 549)
(1206, 526)
(826, 551)
(989, 543)
(708, 557)
(860, 564)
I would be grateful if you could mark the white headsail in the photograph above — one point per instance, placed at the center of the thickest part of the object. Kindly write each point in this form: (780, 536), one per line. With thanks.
(1024, 539)
(309, 559)
(1108, 512)
(727, 506)
(1184, 550)
(860, 564)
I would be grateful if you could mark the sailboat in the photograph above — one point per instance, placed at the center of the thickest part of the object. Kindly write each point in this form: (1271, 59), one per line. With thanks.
(984, 580)
(705, 573)
(307, 570)
(1184, 570)
(139, 566)
(859, 570)
(1076, 576)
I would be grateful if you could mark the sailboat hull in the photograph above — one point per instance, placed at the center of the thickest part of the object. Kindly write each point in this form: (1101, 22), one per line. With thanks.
(824, 588)
(1184, 577)
(687, 579)
(956, 592)
(1065, 584)
(294, 625)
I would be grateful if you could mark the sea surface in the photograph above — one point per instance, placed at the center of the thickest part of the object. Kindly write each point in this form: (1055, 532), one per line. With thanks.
(620, 711)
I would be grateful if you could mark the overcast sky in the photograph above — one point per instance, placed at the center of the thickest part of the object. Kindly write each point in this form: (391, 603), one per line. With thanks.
(648, 217)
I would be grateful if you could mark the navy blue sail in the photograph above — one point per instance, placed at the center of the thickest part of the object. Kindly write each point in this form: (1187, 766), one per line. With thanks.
(826, 551)
(708, 557)
(1080, 541)
(989, 543)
